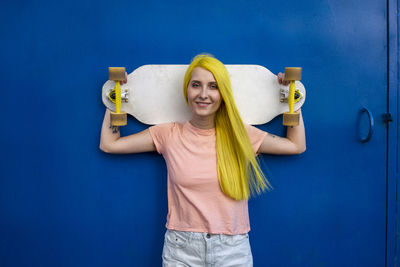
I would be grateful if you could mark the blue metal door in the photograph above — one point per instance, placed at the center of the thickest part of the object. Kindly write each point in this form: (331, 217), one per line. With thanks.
(332, 199)
(65, 203)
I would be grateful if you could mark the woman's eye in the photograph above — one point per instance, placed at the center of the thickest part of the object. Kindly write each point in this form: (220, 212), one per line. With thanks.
(195, 85)
(214, 86)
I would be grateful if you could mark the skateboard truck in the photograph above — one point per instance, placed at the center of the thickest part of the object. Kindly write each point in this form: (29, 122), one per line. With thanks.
(124, 95)
(284, 96)
(117, 74)
(291, 118)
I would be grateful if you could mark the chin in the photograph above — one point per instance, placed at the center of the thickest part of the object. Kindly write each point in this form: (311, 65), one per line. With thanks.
(203, 113)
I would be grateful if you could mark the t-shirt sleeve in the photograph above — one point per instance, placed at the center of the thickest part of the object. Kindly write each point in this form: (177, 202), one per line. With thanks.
(161, 133)
(256, 136)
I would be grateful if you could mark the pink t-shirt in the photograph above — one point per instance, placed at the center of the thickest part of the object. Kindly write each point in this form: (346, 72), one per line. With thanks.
(196, 202)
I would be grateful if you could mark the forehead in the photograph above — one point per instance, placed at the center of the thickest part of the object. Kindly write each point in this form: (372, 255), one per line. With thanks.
(201, 74)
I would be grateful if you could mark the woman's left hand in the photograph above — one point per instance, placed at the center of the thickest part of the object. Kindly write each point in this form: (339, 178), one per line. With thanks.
(126, 79)
(281, 79)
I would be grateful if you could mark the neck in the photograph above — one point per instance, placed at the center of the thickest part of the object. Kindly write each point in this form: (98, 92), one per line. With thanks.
(203, 123)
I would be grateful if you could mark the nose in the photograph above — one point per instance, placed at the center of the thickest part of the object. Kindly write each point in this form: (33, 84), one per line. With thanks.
(204, 93)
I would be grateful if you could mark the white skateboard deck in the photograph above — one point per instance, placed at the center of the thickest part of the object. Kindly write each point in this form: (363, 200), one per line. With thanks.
(155, 95)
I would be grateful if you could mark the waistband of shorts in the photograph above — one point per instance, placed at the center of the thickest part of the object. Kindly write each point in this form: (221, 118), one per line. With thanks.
(203, 235)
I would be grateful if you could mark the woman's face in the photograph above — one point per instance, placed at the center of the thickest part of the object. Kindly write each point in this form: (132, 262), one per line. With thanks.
(203, 94)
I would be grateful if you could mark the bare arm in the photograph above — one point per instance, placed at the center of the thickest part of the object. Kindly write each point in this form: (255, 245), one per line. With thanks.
(113, 142)
(293, 143)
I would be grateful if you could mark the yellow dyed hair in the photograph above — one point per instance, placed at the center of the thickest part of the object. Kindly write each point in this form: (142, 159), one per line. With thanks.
(239, 173)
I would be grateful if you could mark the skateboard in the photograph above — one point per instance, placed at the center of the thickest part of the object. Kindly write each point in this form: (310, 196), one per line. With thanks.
(154, 94)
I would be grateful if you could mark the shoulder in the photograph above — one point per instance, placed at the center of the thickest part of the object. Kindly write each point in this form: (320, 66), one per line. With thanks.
(165, 128)
(162, 134)
(254, 132)
(256, 136)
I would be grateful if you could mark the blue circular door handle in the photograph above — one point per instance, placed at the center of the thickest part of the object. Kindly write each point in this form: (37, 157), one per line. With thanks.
(371, 125)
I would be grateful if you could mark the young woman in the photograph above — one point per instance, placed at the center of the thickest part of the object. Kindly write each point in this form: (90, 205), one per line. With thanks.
(212, 169)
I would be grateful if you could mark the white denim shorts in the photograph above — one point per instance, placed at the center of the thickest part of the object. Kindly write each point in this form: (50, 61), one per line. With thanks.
(203, 249)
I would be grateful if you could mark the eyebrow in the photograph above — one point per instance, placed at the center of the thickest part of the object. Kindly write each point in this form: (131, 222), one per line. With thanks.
(196, 81)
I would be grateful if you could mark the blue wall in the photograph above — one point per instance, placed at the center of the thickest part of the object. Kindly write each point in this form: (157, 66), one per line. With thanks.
(63, 202)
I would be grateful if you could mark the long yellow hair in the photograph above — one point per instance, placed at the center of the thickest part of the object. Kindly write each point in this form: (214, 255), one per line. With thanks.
(239, 173)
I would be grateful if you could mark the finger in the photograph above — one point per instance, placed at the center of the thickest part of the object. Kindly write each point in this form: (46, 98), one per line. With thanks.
(280, 78)
(283, 81)
(126, 78)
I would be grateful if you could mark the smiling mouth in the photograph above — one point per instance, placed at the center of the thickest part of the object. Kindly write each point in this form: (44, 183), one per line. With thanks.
(203, 104)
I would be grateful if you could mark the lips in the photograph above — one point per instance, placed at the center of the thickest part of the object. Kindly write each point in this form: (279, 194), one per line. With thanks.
(203, 104)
